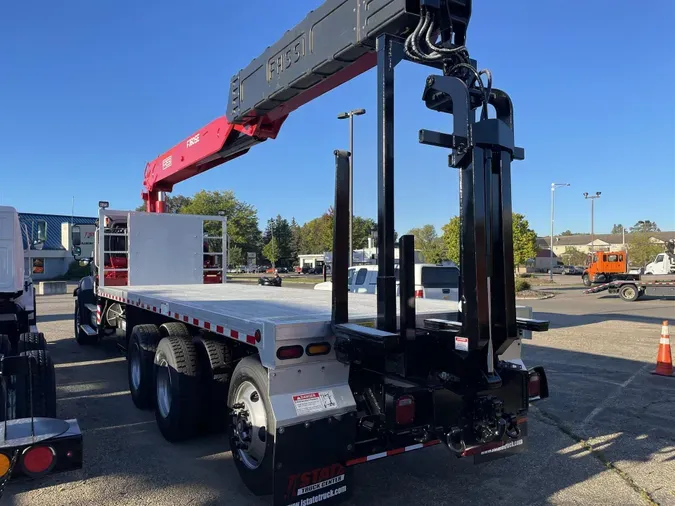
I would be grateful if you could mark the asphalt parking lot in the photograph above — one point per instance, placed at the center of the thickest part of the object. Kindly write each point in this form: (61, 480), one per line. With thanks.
(605, 436)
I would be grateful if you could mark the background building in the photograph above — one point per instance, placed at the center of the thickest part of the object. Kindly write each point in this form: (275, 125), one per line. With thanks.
(53, 260)
(601, 242)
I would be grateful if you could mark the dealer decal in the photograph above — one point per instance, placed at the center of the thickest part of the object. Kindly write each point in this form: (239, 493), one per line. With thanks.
(320, 497)
(506, 446)
(314, 402)
(323, 484)
(316, 479)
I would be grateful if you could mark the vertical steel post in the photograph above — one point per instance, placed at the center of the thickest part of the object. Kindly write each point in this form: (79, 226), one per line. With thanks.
(351, 190)
(592, 224)
(340, 309)
(550, 252)
(389, 54)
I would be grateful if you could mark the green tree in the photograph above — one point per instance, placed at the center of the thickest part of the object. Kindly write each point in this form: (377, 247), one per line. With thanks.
(617, 228)
(242, 218)
(573, 256)
(524, 240)
(429, 243)
(236, 256)
(641, 250)
(271, 251)
(451, 239)
(316, 236)
(280, 229)
(645, 226)
(295, 241)
(567, 232)
(362, 229)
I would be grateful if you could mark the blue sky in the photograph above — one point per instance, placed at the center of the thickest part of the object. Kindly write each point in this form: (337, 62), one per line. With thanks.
(91, 91)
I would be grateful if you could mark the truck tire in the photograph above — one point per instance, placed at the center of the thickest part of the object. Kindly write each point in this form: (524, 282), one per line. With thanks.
(215, 363)
(177, 394)
(81, 337)
(251, 444)
(174, 329)
(629, 292)
(140, 358)
(43, 381)
(32, 341)
(586, 280)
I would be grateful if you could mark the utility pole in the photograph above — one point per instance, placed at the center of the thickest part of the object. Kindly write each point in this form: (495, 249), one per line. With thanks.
(592, 198)
(553, 187)
(350, 115)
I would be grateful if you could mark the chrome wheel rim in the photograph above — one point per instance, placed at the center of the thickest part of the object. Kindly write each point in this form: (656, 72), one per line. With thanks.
(250, 430)
(164, 389)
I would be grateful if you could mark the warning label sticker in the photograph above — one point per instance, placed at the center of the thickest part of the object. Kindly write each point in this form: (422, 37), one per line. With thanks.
(314, 402)
(462, 343)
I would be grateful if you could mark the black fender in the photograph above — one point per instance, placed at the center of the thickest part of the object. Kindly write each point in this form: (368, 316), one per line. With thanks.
(84, 291)
(84, 294)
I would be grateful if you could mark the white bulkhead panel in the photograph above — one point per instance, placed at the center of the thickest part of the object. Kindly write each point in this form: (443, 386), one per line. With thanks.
(165, 249)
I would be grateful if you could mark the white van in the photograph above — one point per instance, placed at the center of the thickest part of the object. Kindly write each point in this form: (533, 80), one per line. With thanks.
(431, 281)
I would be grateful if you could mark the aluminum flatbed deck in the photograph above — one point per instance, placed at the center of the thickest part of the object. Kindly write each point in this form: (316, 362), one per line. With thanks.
(259, 315)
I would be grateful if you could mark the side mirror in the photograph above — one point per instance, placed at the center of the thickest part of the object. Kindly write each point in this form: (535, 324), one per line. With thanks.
(75, 235)
(38, 245)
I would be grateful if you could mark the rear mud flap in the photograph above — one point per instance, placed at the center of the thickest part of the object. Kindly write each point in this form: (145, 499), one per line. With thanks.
(503, 449)
(309, 462)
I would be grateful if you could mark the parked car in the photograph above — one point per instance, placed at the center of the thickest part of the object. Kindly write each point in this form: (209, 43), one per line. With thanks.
(571, 269)
(282, 270)
(431, 281)
(270, 281)
(557, 269)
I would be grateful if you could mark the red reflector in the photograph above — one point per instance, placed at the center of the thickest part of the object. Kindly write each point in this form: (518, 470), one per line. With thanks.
(405, 410)
(419, 294)
(288, 352)
(533, 386)
(38, 459)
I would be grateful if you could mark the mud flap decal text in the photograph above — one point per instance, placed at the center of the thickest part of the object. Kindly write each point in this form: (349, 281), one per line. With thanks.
(309, 462)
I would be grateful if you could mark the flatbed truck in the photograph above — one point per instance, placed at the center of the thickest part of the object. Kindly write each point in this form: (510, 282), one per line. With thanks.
(309, 384)
(631, 290)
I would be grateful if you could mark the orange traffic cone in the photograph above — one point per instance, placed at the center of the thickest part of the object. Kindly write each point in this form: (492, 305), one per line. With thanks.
(664, 360)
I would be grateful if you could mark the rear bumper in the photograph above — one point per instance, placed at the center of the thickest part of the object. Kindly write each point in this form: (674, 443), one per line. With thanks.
(62, 437)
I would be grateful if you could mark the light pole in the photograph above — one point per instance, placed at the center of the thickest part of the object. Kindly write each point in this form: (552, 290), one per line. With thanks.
(350, 115)
(592, 197)
(553, 187)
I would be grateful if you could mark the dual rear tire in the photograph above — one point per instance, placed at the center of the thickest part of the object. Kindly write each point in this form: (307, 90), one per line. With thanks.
(189, 383)
(183, 379)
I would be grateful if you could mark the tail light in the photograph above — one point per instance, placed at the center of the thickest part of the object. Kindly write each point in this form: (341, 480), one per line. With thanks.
(419, 294)
(405, 410)
(317, 349)
(5, 464)
(38, 460)
(537, 385)
(534, 387)
(289, 352)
